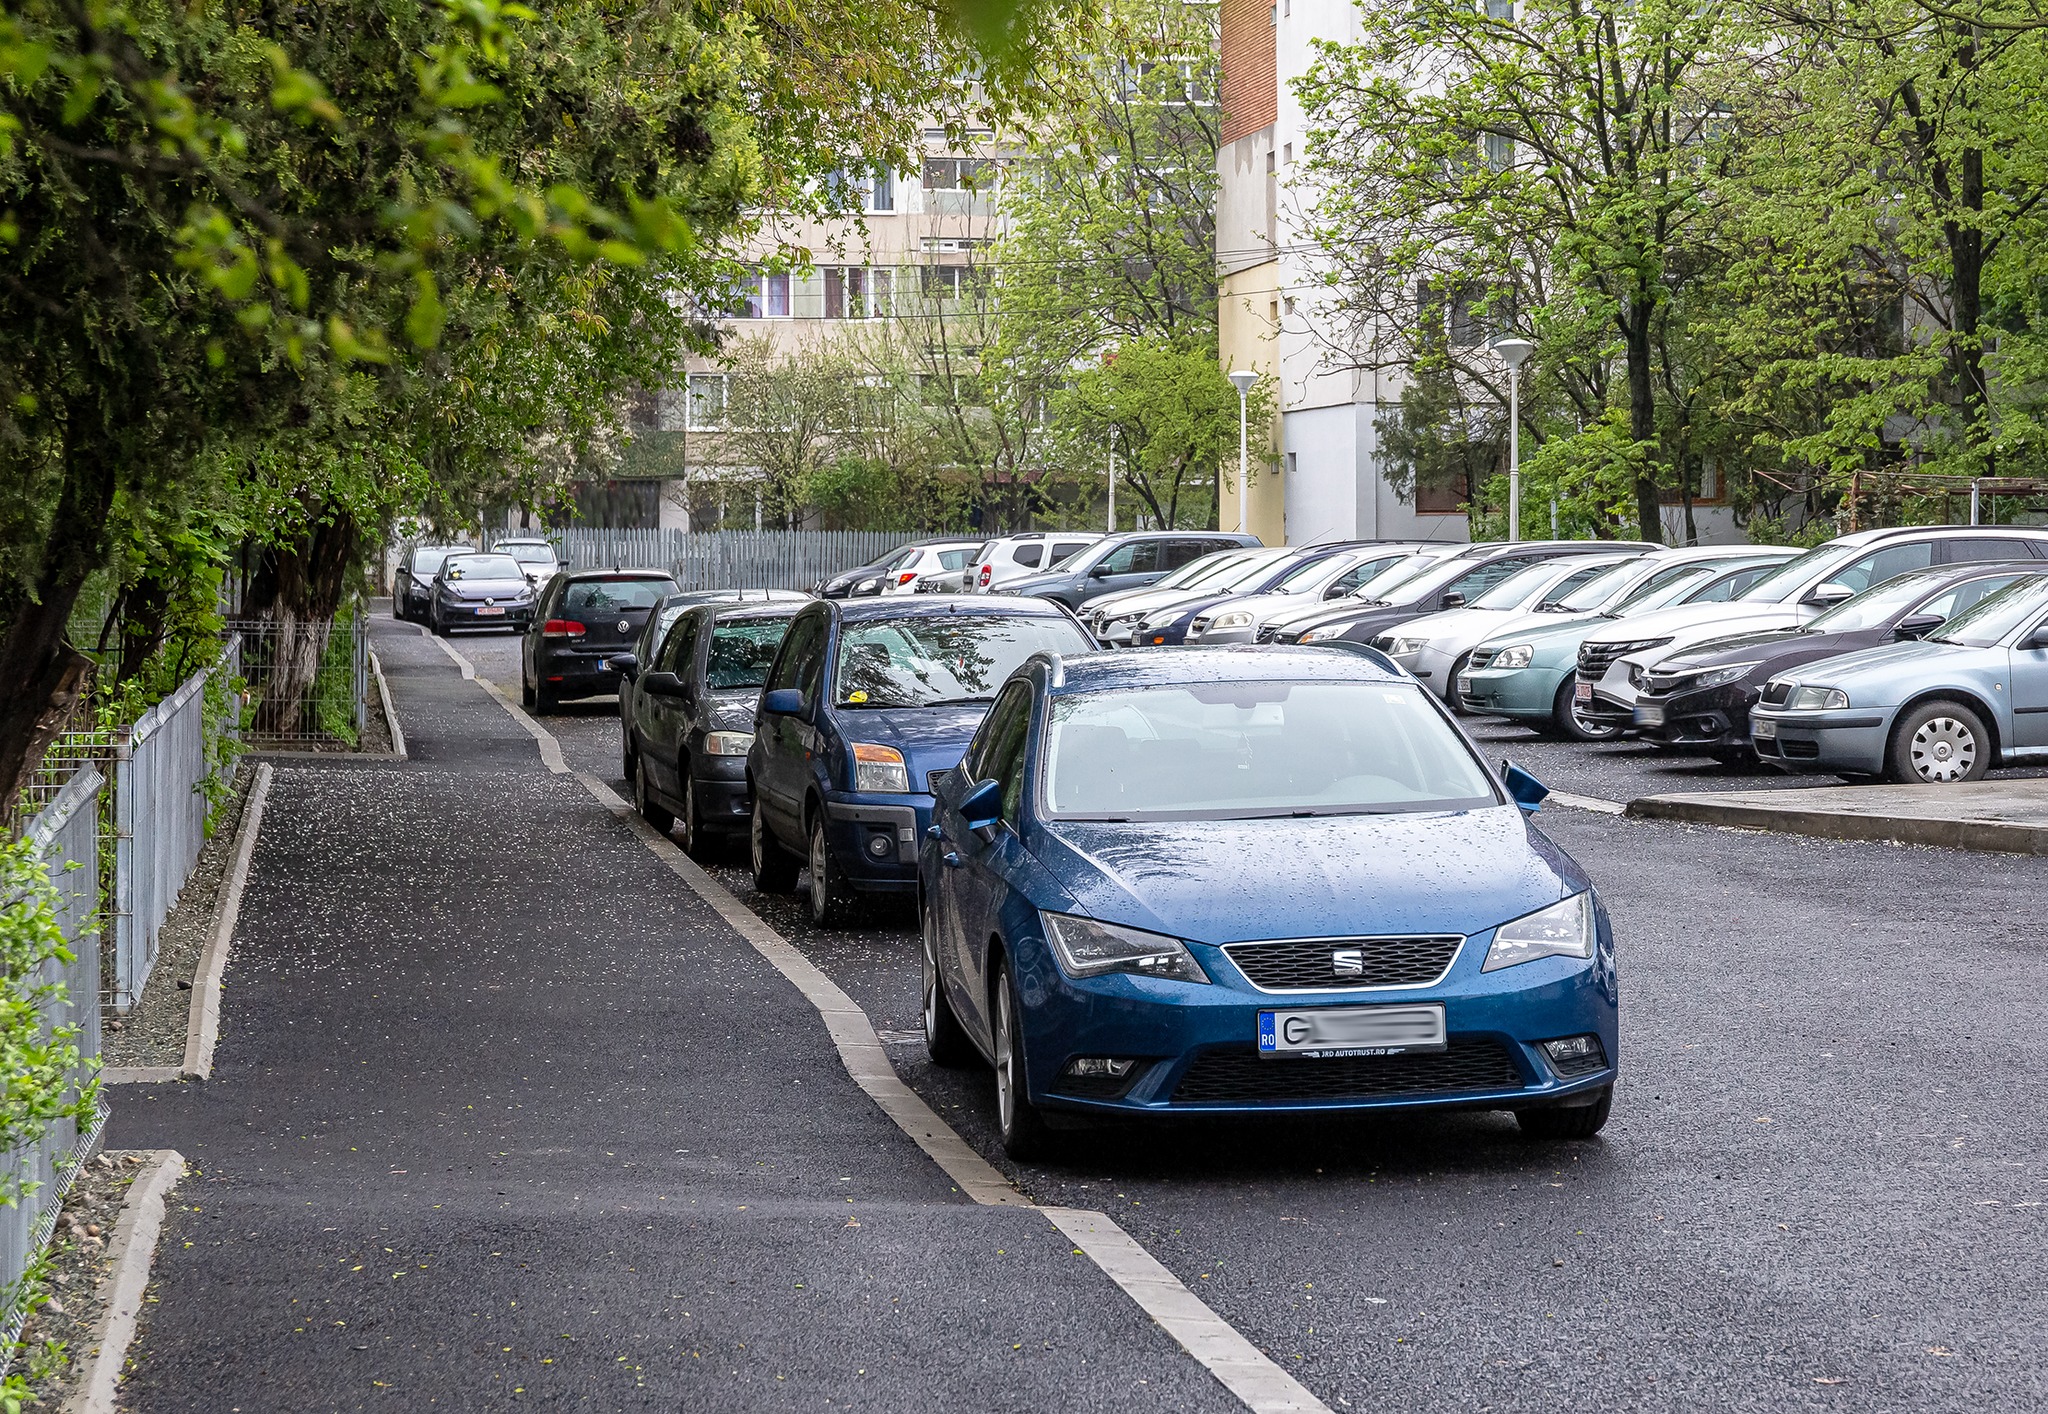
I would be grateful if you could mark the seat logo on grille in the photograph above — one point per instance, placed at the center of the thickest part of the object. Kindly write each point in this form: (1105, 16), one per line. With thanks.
(1348, 962)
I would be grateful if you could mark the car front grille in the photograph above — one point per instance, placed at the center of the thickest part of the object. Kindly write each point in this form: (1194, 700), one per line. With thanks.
(1776, 693)
(1479, 659)
(1596, 658)
(1310, 965)
(1238, 1076)
(1268, 633)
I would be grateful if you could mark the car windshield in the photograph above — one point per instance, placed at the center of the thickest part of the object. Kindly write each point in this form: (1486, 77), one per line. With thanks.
(484, 567)
(1878, 606)
(1254, 569)
(954, 559)
(605, 596)
(1996, 616)
(1665, 587)
(741, 651)
(1311, 574)
(425, 562)
(1398, 573)
(1246, 749)
(1795, 574)
(1208, 567)
(1599, 589)
(926, 660)
(1514, 591)
(1428, 580)
(530, 554)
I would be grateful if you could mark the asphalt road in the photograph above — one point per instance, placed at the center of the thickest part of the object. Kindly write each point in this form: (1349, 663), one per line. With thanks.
(1821, 1187)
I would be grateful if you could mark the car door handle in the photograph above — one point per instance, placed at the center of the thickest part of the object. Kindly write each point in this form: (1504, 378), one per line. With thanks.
(950, 860)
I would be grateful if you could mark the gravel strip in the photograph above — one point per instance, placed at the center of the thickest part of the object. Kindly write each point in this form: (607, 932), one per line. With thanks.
(153, 1031)
(60, 1331)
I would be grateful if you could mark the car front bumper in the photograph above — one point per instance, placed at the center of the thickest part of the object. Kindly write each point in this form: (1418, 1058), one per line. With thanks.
(1514, 692)
(458, 614)
(1852, 739)
(1196, 1045)
(1713, 718)
(874, 838)
(720, 785)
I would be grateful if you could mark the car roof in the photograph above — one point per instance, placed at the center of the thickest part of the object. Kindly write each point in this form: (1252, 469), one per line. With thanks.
(938, 606)
(1244, 662)
(524, 540)
(1942, 532)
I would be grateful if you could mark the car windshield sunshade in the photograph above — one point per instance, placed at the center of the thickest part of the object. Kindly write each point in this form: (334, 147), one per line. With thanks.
(603, 596)
(741, 652)
(928, 659)
(1240, 750)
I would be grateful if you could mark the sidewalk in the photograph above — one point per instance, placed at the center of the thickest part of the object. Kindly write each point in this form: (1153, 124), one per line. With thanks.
(503, 1114)
(2004, 816)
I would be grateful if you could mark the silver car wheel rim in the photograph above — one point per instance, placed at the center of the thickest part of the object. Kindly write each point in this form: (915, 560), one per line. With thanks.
(1943, 749)
(1006, 1100)
(817, 870)
(931, 982)
(689, 820)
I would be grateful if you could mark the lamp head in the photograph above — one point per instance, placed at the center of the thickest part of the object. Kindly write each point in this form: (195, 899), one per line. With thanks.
(1513, 352)
(1242, 380)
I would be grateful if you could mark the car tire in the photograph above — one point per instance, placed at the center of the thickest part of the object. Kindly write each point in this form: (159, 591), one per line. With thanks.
(544, 700)
(696, 841)
(830, 896)
(1453, 698)
(1561, 1122)
(525, 693)
(1939, 743)
(1565, 720)
(434, 621)
(1019, 1123)
(629, 764)
(652, 812)
(774, 870)
(945, 1039)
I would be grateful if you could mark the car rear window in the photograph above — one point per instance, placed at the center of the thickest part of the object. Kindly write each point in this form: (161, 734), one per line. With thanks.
(531, 554)
(924, 660)
(741, 652)
(608, 595)
(1028, 554)
(954, 559)
(1226, 750)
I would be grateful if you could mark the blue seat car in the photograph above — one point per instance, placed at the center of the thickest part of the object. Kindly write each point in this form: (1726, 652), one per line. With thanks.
(866, 701)
(1245, 880)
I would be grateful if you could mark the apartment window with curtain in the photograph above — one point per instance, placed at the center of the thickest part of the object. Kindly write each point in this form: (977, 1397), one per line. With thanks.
(857, 292)
(704, 403)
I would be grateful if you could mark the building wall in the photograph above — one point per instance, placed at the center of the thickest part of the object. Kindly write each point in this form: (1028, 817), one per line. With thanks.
(1247, 325)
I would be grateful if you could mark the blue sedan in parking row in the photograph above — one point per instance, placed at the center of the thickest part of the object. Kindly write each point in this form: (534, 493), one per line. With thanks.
(1971, 695)
(865, 702)
(1239, 880)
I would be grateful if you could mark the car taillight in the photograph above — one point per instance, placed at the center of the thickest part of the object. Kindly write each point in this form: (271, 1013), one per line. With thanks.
(562, 628)
(987, 573)
(906, 576)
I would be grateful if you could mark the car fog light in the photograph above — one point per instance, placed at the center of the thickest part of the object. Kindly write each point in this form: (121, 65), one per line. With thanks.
(1572, 1048)
(1114, 1067)
(878, 845)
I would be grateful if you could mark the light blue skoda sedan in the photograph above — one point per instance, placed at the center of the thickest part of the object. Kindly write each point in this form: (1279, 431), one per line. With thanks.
(1946, 708)
(1239, 880)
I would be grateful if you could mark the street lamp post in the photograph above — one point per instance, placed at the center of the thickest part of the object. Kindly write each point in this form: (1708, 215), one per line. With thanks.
(1514, 353)
(1242, 380)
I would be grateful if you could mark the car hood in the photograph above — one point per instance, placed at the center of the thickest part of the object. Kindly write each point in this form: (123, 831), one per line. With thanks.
(1031, 582)
(1898, 665)
(1133, 601)
(1462, 627)
(1336, 876)
(1696, 623)
(730, 711)
(479, 589)
(930, 738)
(1542, 630)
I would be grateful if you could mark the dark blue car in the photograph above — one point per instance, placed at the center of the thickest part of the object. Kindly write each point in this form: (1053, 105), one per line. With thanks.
(1238, 880)
(867, 701)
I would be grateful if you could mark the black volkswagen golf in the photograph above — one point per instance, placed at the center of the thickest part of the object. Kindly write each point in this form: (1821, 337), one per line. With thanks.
(689, 720)
(584, 620)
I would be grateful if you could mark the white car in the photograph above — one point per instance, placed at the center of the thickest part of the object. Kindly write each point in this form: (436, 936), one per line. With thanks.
(1796, 591)
(536, 557)
(908, 573)
(1012, 557)
(1331, 577)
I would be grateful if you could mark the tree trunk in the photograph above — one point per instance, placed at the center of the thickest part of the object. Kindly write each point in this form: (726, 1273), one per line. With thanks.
(1642, 413)
(1966, 297)
(297, 589)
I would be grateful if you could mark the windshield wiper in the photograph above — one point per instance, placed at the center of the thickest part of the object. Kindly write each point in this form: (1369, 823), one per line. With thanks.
(960, 701)
(884, 702)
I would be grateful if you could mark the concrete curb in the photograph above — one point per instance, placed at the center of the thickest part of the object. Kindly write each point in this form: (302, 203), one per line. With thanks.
(202, 1031)
(1792, 818)
(390, 713)
(130, 1254)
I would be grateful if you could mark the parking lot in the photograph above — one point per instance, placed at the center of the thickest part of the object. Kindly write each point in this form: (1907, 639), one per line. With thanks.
(1821, 1186)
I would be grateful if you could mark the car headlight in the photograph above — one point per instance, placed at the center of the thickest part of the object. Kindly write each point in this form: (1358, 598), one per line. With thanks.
(1236, 618)
(1325, 633)
(1816, 699)
(1519, 655)
(1402, 647)
(1565, 929)
(728, 743)
(1715, 677)
(1086, 948)
(879, 769)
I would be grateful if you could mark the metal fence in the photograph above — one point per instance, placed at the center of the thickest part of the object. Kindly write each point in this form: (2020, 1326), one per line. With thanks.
(66, 833)
(308, 681)
(729, 559)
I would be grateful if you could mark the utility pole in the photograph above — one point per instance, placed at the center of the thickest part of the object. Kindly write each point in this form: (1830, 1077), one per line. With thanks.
(1242, 380)
(1513, 353)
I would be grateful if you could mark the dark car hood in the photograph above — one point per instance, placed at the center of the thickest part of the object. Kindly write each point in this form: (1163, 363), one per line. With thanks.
(1133, 601)
(479, 589)
(1367, 620)
(930, 738)
(1219, 881)
(728, 711)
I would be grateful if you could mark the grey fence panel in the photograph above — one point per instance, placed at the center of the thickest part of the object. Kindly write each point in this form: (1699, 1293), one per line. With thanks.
(159, 829)
(308, 682)
(66, 833)
(729, 559)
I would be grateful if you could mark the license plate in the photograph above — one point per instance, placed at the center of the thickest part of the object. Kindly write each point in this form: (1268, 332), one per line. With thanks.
(1352, 1031)
(1582, 692)
(1649, 716)
(491, 611)
(1465, 683)
(1763, 726)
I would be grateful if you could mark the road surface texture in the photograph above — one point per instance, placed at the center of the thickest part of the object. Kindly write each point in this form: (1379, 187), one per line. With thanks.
(1821, 1188)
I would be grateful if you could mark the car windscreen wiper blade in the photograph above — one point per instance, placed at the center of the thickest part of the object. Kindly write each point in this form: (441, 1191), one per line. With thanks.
(959, 701)
(879, 702)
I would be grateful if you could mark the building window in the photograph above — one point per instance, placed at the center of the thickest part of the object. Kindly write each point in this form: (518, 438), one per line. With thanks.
(765, 295)
(856, 292)
(1500, 151)
(704, 406)
(882, 191)
(959, 174)
(1503, 10)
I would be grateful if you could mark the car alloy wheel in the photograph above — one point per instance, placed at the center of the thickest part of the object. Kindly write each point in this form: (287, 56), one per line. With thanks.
(1564, 715)
(829, 893)
(695, 840)
(945, 1041)
(1021, 1125)
(774, 871)
(653, 813)
(1940, 743)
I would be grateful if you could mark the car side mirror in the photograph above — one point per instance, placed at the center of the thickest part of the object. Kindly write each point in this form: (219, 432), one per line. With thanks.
(1525, 789)
(1453, 600)
(1101, 571)
(2039, 637)
(627, 665)
(664, 685)
(1917, 625)
(982, 809)
(1824, 595)
(782, 702)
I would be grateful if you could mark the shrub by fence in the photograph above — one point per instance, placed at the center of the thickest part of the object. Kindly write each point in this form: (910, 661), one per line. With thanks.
(308, 680)
(49, 1027)
(729, 559)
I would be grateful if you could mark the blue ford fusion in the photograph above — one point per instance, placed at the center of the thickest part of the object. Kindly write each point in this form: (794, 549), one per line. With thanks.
(865, 702)
(1255, 880)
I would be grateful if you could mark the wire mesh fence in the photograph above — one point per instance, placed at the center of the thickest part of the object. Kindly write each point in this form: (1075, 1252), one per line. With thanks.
(729, 559)
(308, 681)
